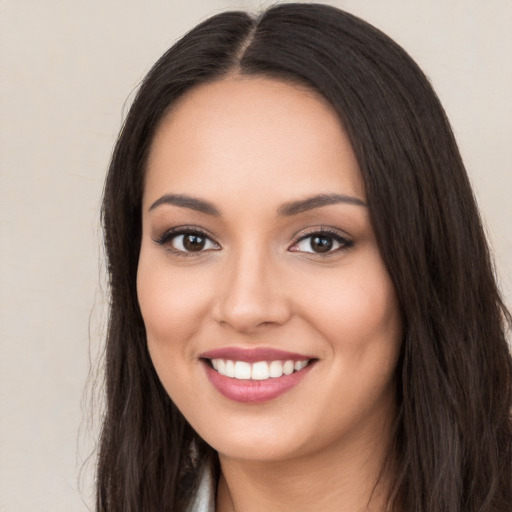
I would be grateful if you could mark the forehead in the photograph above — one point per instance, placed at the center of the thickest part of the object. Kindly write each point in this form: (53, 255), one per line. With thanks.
(251, 134)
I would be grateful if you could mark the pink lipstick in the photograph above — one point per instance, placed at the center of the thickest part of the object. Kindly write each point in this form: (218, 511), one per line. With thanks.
(254, 375)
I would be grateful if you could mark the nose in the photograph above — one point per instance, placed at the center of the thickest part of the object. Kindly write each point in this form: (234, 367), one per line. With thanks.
(251, 296)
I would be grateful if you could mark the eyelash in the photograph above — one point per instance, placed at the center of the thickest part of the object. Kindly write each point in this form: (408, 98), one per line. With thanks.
(322, 232)
(325, 232)
(167, 238)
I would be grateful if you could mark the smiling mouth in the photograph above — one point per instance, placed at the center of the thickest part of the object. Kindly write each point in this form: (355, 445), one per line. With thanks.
(255, 375)
(259, 370)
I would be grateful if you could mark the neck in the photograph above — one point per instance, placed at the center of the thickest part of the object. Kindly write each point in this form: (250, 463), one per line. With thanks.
(348, 477)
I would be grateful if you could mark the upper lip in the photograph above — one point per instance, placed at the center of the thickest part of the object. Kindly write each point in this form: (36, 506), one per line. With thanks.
(253, 355)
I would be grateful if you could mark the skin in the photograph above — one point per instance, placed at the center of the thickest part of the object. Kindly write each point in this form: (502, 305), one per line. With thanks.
(248, 146)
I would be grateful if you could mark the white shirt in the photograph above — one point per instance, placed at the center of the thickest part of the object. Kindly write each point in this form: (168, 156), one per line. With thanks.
(204, 500)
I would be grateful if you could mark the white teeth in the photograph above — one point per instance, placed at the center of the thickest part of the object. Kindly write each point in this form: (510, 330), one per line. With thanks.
(260, 370)
(288, 367)
(230, 369)
(275, 369)
(300, 364)
(242, 370)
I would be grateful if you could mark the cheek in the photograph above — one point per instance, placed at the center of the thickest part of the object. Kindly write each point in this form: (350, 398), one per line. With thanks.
(356, 312)
(355, 306)
(360, 320)
(173, 306)
(172, 303)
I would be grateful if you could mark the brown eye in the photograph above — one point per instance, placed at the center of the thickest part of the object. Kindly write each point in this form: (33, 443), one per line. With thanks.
(194, 243)
(321, 243)
(187, 242)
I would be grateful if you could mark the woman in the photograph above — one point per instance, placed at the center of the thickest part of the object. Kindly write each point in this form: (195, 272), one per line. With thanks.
(304, 314)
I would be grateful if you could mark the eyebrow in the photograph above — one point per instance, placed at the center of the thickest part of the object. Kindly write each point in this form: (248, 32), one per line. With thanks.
(310, 203)
(286, 210)
(192, 203)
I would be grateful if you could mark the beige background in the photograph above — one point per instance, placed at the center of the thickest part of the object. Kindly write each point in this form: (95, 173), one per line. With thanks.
(66, 69)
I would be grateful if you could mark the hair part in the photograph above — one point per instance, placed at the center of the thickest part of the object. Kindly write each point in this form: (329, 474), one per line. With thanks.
(452, 445)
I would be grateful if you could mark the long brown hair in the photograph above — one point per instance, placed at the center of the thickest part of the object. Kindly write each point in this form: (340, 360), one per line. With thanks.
(453, 436)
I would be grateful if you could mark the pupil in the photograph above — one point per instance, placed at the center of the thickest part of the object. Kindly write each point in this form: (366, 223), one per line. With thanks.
(321, 244)
(193, 243)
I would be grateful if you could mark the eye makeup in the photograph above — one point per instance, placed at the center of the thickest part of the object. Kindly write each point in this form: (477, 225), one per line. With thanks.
(189, 241)
(323, 241)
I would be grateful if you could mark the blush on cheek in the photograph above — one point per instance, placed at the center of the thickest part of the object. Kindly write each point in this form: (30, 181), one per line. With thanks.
(172, 308)
(377, 294)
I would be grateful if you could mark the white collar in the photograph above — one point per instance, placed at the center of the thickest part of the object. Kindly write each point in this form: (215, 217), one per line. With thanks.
(204, 500)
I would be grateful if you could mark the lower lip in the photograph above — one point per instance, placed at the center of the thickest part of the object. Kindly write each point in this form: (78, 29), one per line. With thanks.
(254, 391)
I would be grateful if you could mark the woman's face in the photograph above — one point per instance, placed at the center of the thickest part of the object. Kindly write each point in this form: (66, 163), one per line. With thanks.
(258, 258)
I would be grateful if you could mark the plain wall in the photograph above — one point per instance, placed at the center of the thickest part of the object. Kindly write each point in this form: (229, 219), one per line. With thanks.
(66, 70)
